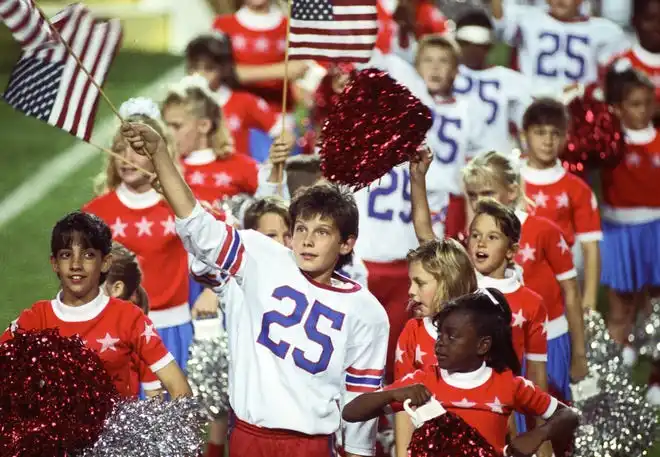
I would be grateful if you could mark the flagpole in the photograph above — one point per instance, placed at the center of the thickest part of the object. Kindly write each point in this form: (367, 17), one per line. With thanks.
(68, 48)
(122, 159)
(279, 171)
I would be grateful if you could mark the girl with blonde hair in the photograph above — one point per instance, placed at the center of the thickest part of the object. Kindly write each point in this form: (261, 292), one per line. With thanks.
(144, 223)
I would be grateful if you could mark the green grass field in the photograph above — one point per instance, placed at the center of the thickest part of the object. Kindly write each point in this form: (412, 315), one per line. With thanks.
(25, 274)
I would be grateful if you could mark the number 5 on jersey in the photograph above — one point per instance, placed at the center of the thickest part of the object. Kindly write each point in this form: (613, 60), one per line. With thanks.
(282, 348)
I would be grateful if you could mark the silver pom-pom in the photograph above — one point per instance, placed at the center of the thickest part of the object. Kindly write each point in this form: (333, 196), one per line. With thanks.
(236, 206)
(616, 420)
(208, 366)
(646, 337)
(151, 428)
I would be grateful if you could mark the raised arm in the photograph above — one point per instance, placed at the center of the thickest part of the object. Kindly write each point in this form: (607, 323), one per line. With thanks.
(145, 140)
(421, 213)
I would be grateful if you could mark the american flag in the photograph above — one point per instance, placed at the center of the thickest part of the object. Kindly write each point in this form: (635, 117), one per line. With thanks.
(24, 22)
(334, 30)
(47, 82)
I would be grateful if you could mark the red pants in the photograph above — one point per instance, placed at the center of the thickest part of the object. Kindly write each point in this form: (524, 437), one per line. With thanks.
(389, 283)
(247, 440)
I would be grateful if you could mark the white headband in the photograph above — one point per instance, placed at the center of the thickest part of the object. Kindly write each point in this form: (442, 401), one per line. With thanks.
(195, 81)
(474, 34)
(139, 106)
(492, 298)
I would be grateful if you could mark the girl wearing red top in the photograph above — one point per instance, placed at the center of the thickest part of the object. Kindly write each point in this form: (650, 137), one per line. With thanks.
(492, 243)
(631, 209)
(476, 378)
(258, 37)
(117, 330)
(143, 222)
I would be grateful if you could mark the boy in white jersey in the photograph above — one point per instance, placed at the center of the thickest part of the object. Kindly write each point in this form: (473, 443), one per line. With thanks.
(499, 94)
(455, 136)
(558, 47)
(310, 338)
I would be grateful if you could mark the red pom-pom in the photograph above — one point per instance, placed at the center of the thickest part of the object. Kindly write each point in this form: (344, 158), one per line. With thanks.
(595, 138)
(449, 436)
(54, 396)
(374, 125)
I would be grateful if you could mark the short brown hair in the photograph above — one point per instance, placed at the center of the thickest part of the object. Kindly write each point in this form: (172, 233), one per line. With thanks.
(438, 41)
(505, 218)
(545, 111)
(302, 171)
(448, 262)
(263, 206)
(215, 47)
(124, 267)
(332, 202)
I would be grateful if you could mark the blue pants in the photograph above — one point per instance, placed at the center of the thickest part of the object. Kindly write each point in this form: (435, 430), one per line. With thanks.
(177, 340)
(559, 371)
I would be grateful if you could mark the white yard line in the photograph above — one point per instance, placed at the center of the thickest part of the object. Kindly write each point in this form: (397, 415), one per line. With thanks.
(60, 167)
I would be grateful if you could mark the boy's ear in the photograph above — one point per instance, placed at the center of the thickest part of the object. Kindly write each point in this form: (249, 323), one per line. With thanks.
(347, 246)
(53, 264)
(107, 261)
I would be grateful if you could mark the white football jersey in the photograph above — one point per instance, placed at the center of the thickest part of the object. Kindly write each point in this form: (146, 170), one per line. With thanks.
(555, 53)
(386, 229)
(499, 95)
(299, 348)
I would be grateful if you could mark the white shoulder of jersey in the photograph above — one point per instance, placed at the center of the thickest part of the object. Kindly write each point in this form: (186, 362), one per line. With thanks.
(369, 312)
(402, 72)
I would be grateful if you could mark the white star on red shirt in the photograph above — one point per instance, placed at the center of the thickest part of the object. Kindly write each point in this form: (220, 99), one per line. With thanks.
(563, 245)
(144, 226)
(108, 342)
(518, 319)
(496, 406)
(464, 403)
(261, 44)
(234, 123)
(409, 375)
(118, 228)
(398, 354)
(540, 199)
(197, 178)
(281, 45)
(633, 159)
(562, 200)
(419, 354)
(545, 326)
(169, 228)
(149, 331)
(262, 104)
(527, 253)
(222, 179)
(238, 42)
(655, 160)
(527, 382)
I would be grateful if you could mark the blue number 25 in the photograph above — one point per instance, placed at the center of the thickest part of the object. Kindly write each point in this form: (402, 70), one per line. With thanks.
(553, 44)
(394, 185)
(281, 348)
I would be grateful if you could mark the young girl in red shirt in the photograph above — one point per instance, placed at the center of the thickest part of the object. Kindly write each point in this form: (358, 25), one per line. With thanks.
(476, 378)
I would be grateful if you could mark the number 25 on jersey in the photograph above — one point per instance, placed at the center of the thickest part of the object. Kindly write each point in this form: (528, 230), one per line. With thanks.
(282, 349)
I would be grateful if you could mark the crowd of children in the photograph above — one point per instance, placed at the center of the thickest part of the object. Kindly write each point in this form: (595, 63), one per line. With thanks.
(455, 284)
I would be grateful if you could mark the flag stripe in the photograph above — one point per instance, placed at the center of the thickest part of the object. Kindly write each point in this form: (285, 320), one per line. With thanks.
(78, 44)
(335, 33)
(106, 56)
(312, 54)
(331, 26)
(25, 23)
(321, 39)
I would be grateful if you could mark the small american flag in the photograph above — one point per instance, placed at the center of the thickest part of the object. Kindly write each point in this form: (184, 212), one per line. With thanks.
(334, 30)
(47, 82)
